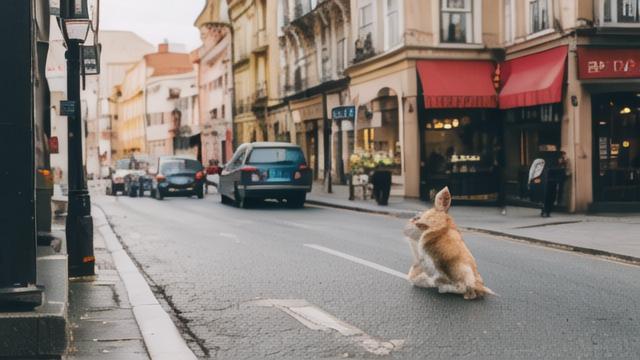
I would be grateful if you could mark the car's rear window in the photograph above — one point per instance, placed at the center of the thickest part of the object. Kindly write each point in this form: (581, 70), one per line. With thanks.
(175, 166)
(279, 156)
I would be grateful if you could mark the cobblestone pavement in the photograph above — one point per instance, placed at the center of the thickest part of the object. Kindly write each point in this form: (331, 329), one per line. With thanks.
(213, 263)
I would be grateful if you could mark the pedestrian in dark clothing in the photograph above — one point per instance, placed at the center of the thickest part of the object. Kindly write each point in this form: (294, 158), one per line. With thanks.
(553, 178)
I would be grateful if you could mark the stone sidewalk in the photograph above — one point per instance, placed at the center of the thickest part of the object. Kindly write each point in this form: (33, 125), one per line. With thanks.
(103, 326)
(615, 235)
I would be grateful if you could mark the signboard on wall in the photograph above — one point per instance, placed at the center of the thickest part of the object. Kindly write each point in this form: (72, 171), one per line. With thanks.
(605, 63)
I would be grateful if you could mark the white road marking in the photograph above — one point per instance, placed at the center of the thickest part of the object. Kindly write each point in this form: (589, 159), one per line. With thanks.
(228, 235)
(358, 260)
(317, 319)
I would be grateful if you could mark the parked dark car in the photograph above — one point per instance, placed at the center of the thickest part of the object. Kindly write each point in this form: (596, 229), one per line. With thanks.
(130, 177)
(266, 170)
(178, 176)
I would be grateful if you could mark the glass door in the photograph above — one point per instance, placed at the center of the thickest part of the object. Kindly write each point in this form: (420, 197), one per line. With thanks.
(616, 149)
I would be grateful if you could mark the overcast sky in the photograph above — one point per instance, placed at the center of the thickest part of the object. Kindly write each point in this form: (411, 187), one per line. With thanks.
(154, 20)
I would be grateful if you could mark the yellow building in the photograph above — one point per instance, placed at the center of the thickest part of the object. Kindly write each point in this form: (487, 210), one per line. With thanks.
(249, 18)
(131, 113)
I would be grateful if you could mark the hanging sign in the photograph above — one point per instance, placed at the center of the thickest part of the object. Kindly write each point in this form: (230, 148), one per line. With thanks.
(54, 7)
(91, 59)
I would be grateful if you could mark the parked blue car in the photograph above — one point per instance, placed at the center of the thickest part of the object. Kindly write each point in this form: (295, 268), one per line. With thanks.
(266, 170)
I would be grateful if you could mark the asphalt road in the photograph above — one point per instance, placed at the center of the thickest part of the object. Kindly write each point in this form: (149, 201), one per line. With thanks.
(272, 283)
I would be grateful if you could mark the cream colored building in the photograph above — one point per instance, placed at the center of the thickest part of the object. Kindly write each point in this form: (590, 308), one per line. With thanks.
(148, 119)
(250, 58)
(215, 82)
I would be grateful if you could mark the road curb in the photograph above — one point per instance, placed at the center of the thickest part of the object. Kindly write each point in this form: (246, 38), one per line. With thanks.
(161, 337)
(398, 214)
(550, 244)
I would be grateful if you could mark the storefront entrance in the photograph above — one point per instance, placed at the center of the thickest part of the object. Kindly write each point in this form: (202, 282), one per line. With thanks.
(616, 147)
(529, 133)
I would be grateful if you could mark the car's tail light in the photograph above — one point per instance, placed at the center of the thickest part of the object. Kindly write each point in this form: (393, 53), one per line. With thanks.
(255, 177)
(199, 175)
(249, 169)
(303, 167)
(160, 178)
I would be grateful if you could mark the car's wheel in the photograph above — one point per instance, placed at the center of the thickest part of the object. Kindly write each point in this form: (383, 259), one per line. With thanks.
(200, 193)
(296, 201)
(159, 195)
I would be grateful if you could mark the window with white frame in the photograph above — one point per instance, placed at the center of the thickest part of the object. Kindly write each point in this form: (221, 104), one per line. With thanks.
(538, 15)
(365, 18)
(392, 28)
(620, 12)
(456, 21)
(509, 21)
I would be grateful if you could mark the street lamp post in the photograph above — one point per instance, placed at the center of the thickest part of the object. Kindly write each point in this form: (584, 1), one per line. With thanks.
(79, 224)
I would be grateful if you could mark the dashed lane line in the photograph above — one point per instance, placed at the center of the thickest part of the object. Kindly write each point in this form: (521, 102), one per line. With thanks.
(317, 319)
(358, 260)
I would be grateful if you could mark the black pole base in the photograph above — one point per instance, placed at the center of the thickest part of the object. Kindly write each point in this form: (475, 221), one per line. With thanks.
(79, 231)
(21, 298)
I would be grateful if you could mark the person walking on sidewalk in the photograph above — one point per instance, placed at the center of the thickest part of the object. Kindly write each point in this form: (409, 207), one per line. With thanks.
(554, 176)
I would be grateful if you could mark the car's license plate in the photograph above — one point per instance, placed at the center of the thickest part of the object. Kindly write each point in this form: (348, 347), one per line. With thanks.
(279, 174)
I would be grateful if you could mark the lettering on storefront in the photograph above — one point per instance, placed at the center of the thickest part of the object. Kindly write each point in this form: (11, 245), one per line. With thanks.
(600, 63)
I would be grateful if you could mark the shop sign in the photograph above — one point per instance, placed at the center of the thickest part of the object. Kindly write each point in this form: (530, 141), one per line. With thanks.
(67, 108)
(600, 63)
(311, 112)
(343, 113)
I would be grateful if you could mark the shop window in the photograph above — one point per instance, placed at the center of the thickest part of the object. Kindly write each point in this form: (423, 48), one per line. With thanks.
(456, 21)
(619, 12)
(539, 15)
(461, 149)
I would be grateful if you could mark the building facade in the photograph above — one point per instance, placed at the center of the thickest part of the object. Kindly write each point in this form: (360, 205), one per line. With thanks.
(250, 76)
(215, 82)
(121, 50)
(310, 52)
(463, 93)
(147, 103)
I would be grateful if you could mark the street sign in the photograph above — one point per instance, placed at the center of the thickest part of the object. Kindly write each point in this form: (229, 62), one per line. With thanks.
(91, 59)
(67, 108)
(343, 113)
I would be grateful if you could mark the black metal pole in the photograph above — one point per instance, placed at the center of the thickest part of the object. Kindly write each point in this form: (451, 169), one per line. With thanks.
(79, 224)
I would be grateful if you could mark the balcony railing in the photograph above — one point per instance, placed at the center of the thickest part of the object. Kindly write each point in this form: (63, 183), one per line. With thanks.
(364, 48)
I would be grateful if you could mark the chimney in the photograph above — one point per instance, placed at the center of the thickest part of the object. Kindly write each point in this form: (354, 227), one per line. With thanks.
(163, 48)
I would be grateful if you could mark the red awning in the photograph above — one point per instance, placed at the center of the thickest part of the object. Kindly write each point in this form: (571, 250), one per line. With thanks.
(533, 79)
(457, 83)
